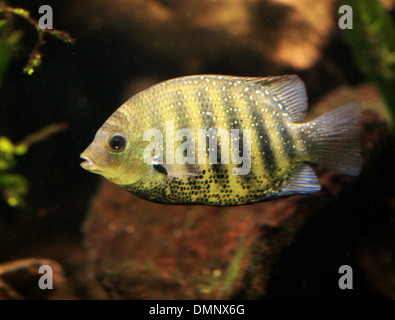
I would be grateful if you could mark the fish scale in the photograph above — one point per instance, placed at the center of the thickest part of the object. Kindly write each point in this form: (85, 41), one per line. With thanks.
(281, 145)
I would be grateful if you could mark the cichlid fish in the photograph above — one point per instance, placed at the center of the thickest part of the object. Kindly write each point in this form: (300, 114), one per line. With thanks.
(223, 140)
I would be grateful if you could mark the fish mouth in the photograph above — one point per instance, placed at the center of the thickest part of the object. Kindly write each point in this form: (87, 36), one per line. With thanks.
(88, 164)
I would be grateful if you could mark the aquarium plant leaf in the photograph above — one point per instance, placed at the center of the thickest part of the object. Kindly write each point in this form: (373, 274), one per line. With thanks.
(35, 58)
(372, 44)
(14, 187)
(9, 45)
(23, 146)
(7, 159)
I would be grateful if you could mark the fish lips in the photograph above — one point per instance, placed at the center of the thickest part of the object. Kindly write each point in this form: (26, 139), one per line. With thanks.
(88, 164)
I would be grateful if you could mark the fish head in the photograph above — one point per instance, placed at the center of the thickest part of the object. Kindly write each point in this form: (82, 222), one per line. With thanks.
(115, 155)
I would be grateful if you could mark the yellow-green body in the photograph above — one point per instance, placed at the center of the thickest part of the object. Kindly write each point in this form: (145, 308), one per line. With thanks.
(271, 108)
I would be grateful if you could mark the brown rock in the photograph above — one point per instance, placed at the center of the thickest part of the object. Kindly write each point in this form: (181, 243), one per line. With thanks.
(19, 279)
(286, 33)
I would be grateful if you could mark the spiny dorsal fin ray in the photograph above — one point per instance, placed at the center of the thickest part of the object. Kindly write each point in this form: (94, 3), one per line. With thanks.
(290, 91)
(303, 182)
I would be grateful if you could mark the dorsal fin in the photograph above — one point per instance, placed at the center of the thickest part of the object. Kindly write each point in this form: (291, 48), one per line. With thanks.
(290, 91)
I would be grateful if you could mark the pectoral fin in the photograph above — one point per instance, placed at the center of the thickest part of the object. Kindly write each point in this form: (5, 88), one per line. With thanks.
(178, 170)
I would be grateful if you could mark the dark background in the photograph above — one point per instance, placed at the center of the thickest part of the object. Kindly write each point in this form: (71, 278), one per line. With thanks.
(82, 84)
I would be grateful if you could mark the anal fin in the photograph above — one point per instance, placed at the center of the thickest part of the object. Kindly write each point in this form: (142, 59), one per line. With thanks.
(304, 181)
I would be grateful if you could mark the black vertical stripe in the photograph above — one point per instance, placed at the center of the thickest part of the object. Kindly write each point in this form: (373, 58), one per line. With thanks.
(264, 143)
(218, 167)
(287, 140)
(234, 122)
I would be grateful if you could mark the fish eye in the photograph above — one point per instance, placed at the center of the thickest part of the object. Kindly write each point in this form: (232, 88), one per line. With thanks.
(117, 143)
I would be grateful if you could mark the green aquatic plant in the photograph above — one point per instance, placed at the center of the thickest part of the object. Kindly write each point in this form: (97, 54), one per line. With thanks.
(10, 39)
(372, 44)
(9, 45)
(14, 186)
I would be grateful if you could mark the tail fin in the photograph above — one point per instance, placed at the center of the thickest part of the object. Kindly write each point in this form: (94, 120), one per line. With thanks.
(336, 140)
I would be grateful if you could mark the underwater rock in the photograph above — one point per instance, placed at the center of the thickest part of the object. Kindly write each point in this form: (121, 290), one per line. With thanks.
(21, 279)
(143, 250)
(285, 33)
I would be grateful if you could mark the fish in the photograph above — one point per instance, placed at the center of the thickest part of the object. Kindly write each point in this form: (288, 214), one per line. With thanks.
(223, 141)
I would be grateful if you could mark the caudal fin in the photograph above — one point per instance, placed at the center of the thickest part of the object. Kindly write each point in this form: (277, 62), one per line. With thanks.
(336, 140)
